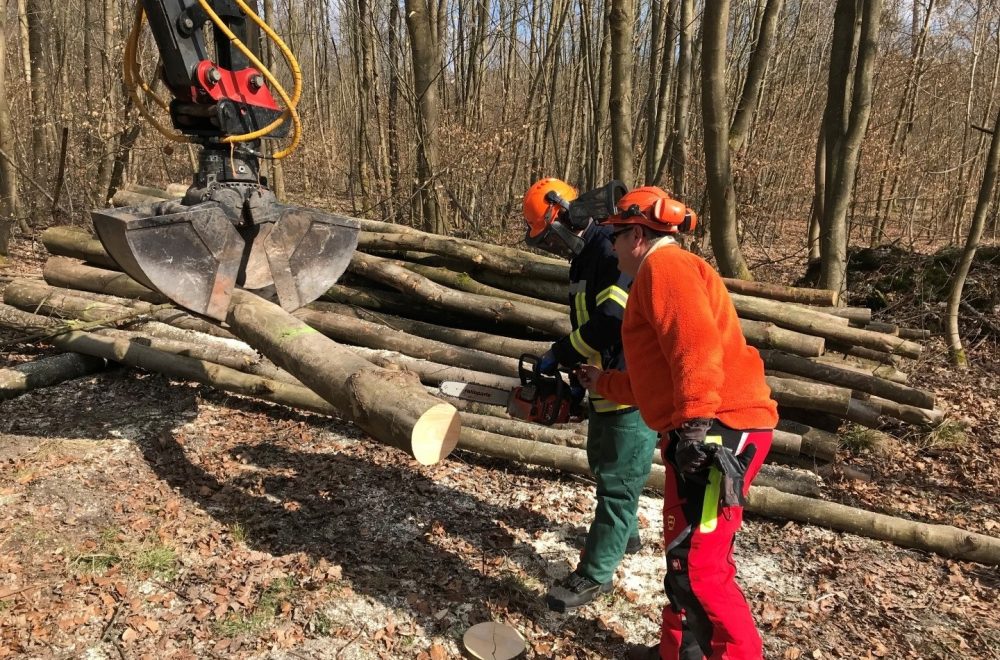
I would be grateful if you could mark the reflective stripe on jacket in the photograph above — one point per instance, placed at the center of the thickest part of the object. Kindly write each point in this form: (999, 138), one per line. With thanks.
(598, 293)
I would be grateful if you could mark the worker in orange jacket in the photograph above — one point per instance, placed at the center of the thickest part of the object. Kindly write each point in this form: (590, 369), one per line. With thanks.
(697, 383)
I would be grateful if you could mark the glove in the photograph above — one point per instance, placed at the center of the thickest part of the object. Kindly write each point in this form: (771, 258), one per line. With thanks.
(691, 454)
(734, 471)
(548, 364)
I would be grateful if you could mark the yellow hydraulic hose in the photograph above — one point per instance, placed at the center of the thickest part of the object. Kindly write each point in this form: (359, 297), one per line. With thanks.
(290, 105)
(134, 81)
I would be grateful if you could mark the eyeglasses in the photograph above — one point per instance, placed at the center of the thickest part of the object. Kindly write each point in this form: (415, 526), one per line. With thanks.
(616, 234)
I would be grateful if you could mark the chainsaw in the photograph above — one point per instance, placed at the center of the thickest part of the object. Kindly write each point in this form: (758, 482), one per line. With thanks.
(540, 398)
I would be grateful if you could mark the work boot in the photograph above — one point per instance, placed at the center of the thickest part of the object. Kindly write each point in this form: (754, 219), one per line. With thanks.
(574, 591)
(643, 652)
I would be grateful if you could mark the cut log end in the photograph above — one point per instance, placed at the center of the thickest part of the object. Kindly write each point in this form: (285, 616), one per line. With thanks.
(435, 434)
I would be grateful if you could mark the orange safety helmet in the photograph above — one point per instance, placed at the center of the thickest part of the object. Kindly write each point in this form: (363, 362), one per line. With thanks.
(653, 207)
(544, 202)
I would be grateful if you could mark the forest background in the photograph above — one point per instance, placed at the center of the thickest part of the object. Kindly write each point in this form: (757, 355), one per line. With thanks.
(865, 122)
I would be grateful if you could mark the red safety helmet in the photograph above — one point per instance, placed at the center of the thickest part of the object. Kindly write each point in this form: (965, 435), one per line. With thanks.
(653, 207)
(544, 202)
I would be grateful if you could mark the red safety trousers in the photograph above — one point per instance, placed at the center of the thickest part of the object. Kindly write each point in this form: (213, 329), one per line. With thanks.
(708, 616)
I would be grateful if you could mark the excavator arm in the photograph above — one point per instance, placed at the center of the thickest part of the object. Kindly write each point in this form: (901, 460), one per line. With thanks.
(229, 230)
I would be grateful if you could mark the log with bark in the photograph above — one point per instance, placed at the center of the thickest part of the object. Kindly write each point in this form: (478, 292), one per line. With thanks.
(425, 291)
(412, 420)
(788, 393)
(71, 274)
(462, 281)
(497, 344)
(767, 501)
(423, 426)
(47, 371)
(816, 323)
(854, 380)
(514, 268)
(373, 335)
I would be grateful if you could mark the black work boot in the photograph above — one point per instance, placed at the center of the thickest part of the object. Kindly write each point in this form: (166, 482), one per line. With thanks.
(574, 591)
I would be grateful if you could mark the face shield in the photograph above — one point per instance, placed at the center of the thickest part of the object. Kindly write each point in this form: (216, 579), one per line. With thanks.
(556, 239)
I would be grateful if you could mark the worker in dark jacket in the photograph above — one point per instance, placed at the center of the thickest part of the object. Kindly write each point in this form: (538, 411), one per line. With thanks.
(619, 444)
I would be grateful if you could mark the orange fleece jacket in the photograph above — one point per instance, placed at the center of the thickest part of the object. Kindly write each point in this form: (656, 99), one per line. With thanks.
(684, 350)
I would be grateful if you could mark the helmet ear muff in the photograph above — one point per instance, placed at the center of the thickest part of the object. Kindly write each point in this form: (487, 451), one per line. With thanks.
(674, 214)
(690, 221)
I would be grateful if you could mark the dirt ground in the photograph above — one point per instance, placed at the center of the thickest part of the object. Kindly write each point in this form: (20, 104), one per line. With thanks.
(143, 517)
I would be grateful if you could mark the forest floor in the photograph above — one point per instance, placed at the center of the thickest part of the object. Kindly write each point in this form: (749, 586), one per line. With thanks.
(143, 517)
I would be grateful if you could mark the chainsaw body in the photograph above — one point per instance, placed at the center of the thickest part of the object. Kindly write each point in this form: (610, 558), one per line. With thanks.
(540, 398)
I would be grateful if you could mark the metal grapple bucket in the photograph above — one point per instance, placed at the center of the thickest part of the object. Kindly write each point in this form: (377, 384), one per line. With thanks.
(195, 255)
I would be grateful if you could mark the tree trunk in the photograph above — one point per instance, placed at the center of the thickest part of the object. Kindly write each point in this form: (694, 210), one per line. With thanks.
(763, 500)
(69, 273)
(682, 104)
(469, 254)
(37, 18)
(759, 59)
(715, 116)
(802, 320)
(621, 17)
(8, 175)
(844, 145)
(783, 293)
(940, 539)
(372, 335)
(277, 169)
(855, 380)
(426, 54)
(955, 348)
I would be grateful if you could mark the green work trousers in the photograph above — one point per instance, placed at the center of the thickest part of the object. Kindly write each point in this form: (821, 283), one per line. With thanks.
(620, 452)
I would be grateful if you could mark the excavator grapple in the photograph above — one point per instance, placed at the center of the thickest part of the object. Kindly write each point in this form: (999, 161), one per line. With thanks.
(195, 255)
(229, 230)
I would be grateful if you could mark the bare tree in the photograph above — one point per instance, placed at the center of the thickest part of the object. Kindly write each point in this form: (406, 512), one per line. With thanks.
(715, 116)
(759, 58)
(621, 17)
(8, 175)
(36, 16)
(845, 122)
(426, 54)
(902, 128)
(957, 352)
(682, 101)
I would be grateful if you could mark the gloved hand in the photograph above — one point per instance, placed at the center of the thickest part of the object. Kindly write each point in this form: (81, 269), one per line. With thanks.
(548, 364)
(691, 454)
(734, 470)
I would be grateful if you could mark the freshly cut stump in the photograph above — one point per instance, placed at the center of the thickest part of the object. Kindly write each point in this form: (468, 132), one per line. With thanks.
(493, 641)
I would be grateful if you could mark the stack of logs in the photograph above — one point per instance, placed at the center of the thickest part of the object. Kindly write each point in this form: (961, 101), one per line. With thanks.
(452, 309)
